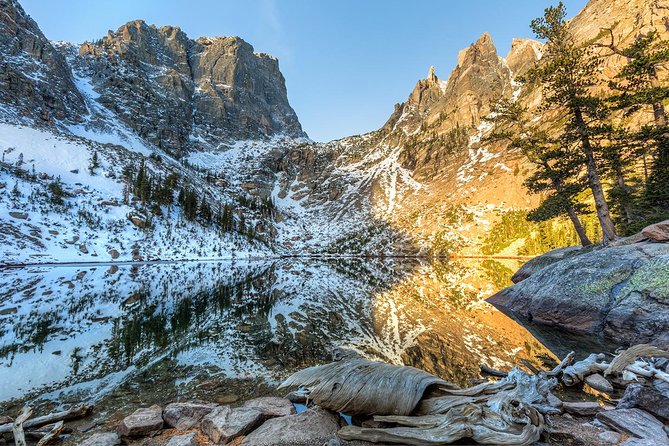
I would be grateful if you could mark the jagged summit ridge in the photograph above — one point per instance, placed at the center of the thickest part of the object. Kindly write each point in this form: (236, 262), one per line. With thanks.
(213, 89)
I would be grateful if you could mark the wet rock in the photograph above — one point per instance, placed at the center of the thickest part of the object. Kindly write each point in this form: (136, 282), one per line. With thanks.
(585, 408)
(646, 398)
(73, 240)
(224, 424)
(271, 406)
(658, 231)
(114, 254)
(307, 428)
(184, 416)
(183, 440)
(102, 439)
(598, 382)
(83, 249)
(226, 399)
(610, 437)
(634, 422)
(142, 422)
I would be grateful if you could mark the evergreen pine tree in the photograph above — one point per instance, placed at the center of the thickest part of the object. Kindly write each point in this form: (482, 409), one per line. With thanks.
(567, 74)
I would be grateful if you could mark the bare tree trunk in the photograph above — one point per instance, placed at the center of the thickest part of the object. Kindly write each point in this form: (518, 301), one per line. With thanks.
(578, 226)
(601, 206)
(658, 107)
(627, 207)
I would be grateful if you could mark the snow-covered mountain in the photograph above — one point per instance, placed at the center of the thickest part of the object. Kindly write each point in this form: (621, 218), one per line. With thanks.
(149, 144)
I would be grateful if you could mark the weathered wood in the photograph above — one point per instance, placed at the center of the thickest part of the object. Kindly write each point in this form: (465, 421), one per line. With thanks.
(359, 386)
(72, 413)
(17, 426)
(567, 361)
(53, 435)
(530, 366)
(629, 356)
(575, 373)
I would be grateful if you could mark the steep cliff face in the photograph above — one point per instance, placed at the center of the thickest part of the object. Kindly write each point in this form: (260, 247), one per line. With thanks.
(35, 82)
(183, 94)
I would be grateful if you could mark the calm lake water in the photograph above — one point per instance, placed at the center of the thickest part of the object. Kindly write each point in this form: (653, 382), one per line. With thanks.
(230, 329)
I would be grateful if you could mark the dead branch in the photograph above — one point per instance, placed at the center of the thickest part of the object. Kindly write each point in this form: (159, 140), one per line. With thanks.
(492, 372)
(629, 356)
(575, 374)
(72, 413)
(53, 435)
(530, 366)
(564, 363)
(17, 426)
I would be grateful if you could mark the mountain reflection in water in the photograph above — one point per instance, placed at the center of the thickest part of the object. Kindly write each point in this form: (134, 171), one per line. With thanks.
(86, 330)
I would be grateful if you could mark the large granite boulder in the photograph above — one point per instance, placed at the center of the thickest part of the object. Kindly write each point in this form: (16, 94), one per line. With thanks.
(142, 422)
(184, 416)
(658, 231)
(224, 423)
(621, 292)
(102, 439)
(312, 427)
(272, 406)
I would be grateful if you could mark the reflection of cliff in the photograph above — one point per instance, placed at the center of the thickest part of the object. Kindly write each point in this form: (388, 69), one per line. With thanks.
(94, 329)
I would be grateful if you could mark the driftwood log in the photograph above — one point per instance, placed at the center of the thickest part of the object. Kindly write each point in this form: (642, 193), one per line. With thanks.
(504, 412)
(53, 435)
(72, 413)
(362, 387)
(629, 357)
(17, 426)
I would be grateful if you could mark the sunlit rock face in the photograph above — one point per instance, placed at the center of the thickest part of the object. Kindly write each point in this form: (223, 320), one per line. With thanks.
(35, 82)
(81, 331)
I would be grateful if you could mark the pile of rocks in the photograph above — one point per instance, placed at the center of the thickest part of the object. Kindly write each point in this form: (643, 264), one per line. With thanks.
(261, 421)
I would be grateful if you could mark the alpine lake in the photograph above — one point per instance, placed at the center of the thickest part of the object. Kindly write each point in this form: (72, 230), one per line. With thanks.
(123, 335)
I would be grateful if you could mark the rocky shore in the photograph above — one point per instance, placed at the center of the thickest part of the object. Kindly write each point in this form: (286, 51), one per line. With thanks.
(600, 400)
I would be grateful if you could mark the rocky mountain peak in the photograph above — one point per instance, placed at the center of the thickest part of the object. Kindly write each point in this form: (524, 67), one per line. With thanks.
(523, 55)
(211, 89)
(35, 81)
(431, 77)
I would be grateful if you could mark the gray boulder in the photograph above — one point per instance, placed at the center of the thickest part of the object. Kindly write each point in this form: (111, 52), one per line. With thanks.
(142, 422)
(658, 231)
(102, 439)
(183, 440)
(184, 416)
(620, 291)
(224, 424)
(634, 422)
(646, 398)
(271, 406)
(311, 427)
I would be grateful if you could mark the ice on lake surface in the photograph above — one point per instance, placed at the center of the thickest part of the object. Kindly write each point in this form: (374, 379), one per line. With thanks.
(81, 332)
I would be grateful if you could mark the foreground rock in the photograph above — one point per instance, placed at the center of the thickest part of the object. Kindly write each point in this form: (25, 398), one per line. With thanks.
(312, 427)
(621, 292)
(224, 424)
(102, 439)
(635, 422)
(184, 416)
(645, 398)
(271, 406)
(183, 440)
(142, 422)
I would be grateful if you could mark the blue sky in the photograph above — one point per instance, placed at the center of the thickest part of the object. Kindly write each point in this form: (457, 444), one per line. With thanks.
(346, 62)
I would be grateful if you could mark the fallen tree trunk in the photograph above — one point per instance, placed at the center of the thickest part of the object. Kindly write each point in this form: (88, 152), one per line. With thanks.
(53, 435)
(72, 413)
(17, 426)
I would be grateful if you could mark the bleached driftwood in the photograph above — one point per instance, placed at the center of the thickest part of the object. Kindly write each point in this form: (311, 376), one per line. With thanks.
(17, 426)
(630, 356)
(515, 424)
(72, 413)
(53, 435)
(359, 386)
(575, 373)
(567, 361)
